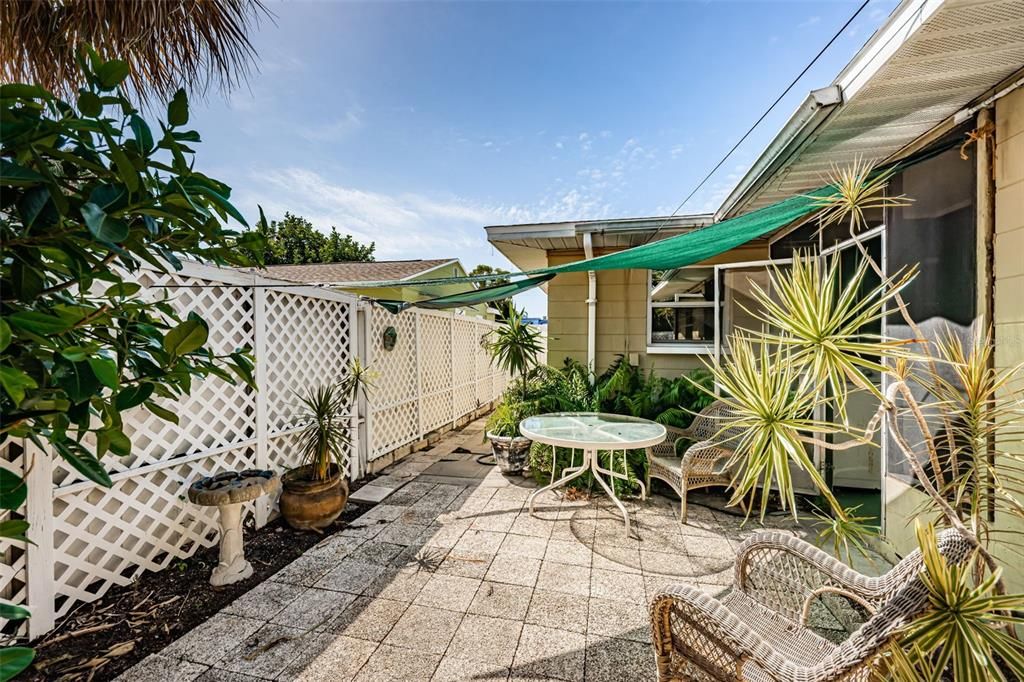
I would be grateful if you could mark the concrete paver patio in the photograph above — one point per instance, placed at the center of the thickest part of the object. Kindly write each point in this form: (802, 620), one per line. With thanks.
(449, 578)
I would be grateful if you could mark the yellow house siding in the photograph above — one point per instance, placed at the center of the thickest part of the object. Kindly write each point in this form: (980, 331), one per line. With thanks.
(902, 503)
(1009, 279)
(621, 315)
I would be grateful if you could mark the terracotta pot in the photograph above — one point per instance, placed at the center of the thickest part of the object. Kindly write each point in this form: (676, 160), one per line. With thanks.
(510, 453)
(308, 504)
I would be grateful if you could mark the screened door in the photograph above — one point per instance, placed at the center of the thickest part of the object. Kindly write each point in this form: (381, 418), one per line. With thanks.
(736, 284)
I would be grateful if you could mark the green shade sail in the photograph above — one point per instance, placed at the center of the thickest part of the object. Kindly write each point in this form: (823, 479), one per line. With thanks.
(674, 252)
(470, 297)
(699, 245)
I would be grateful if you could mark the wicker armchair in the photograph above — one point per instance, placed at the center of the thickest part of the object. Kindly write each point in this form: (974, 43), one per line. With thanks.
(704, 464)
(758, 631)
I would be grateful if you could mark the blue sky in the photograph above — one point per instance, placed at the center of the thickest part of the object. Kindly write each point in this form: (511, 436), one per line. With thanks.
(415, 124)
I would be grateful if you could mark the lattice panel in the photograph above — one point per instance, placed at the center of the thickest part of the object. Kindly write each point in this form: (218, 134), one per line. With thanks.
(216, 413)
(394, 398)
(394, 426)
(435, 364)
(484, 384)
(436, 350)
(308, 343)
(395, 368)
(13, 573)
(107, 536)
(283, 453)
(464, 345)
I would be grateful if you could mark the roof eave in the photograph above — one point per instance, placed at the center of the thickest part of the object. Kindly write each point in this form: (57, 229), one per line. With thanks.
(799, 129)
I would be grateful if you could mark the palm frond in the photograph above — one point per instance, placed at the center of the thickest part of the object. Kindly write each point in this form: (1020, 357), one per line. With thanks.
(167, 44)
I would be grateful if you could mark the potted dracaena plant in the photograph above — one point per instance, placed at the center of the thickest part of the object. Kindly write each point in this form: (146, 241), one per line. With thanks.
(514, 347)
(315, 492)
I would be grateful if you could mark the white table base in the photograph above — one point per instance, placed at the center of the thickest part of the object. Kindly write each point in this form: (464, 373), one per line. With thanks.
(590, 462)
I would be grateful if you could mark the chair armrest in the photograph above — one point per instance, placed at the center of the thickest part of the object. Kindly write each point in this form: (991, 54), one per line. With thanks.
(667, 447)
(784, 573)
(690, 628)
(700, 457)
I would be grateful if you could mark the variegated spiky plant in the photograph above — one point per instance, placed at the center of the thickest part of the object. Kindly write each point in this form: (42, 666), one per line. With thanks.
(810, 355)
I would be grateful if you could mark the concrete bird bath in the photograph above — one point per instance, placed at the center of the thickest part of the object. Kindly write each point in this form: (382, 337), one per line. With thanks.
(227, 492)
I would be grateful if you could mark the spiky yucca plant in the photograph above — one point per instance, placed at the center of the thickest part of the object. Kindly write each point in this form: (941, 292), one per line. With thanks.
(325, 435)
(811, 354)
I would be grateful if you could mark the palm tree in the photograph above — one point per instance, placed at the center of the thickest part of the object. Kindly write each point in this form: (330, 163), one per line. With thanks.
(515, 346)
(167, 44)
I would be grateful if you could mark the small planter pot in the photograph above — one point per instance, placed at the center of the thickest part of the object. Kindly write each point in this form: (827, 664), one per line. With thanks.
(308, 504)
(510, 453)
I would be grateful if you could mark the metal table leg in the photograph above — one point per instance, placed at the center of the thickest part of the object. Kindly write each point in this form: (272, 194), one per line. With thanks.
(595, 468)
(573, 472)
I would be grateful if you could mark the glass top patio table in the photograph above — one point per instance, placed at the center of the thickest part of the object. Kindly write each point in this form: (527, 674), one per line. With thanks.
(592, 432)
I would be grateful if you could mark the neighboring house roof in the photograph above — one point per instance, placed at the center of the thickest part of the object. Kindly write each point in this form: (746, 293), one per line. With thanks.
(356, 272)
(931, 59)
(527, 245)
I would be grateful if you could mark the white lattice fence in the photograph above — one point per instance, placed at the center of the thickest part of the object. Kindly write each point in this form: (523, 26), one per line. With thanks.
(437, 372)
(13, 556)
(309, 341)
(88, 538)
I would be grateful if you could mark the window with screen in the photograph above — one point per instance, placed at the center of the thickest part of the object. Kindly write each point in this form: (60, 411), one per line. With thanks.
(682, 308)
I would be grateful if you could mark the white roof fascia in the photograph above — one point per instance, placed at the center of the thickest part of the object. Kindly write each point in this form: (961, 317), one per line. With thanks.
(799, 129)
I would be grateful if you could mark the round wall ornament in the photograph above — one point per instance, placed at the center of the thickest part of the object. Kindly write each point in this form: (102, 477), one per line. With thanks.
(389, 338)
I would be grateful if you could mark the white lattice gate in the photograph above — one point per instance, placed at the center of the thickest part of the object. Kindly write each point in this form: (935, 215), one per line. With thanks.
(89, 538)
(437, 372)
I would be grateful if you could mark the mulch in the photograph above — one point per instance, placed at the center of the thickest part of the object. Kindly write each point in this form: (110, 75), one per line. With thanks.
(99, 640)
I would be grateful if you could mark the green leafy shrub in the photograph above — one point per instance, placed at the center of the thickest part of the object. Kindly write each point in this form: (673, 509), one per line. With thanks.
(88, 193)
(504, 420)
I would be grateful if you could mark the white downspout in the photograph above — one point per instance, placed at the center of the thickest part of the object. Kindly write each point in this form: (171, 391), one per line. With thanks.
(588, 251)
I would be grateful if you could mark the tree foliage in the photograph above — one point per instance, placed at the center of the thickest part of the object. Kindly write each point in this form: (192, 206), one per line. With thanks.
(90, 194)
(294, 241)
(505, 306)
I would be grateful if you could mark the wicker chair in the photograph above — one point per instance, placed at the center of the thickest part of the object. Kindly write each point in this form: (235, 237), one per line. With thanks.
(758, 631)
(704, 464)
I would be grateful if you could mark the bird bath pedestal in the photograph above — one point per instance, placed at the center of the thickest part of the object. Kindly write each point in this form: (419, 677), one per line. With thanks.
(227, 492)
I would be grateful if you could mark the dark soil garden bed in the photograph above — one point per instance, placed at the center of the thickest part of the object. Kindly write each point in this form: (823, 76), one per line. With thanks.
(100, 640)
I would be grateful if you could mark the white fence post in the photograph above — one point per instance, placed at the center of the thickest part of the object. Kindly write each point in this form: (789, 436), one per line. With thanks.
(452, 387)
(263, 504)
(419, 376)
(366, 444)
(355, 460)
(39, 556)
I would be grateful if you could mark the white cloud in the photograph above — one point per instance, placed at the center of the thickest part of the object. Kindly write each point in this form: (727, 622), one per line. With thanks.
(809, 21)
(586, 142)
(335, 130)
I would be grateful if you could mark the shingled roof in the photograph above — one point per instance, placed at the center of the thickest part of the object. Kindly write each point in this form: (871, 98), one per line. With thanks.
(332, 273)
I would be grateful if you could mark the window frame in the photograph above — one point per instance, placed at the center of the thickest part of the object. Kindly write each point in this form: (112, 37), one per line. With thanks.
(681, 347)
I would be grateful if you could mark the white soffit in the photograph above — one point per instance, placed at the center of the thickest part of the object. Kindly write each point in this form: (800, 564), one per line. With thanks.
(930, 60)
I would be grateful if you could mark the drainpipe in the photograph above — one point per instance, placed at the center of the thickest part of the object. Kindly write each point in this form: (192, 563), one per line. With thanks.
(986, 228)
(588, 251)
